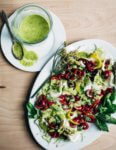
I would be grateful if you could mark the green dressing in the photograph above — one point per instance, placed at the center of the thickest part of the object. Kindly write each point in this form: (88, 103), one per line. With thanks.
(30, 57)
(17, 50)
(26, 63)
(33, 28)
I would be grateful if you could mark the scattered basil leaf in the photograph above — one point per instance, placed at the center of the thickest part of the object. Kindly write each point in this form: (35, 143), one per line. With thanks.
(101, 125)
(31, 110)
(113, 95)
(107, 118)
(111, 109)
(110, 119)
(58, 119)
(102, 109)
(30, 116)
(106, 99)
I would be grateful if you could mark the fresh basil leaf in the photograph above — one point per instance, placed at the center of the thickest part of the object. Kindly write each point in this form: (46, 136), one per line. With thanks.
(108, 103)
(101, 125)
(31, 110)
(106, 118)
(113, 95)
(114, 107)
(102, 117)
(29, 107)
(58, 119)
(110, 119)
(30, 116)
(111, 109)
(107, 99)
(102, 109)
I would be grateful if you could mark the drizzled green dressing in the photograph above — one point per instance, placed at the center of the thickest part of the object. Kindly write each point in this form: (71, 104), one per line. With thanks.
(30, 57)
(33, 28)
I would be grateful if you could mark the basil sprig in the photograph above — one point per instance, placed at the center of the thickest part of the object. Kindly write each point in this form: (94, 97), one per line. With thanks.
(31, 110)
(105, 110)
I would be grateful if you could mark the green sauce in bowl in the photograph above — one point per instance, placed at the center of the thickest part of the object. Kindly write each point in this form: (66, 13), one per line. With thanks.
(33, 28)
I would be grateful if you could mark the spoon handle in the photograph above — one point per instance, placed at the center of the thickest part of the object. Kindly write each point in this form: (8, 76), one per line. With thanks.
(4, 18)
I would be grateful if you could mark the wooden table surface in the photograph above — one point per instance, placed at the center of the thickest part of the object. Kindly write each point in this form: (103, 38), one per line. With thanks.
(83, 19)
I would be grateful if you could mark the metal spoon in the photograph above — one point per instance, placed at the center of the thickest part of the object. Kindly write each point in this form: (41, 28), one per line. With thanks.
(17, 52)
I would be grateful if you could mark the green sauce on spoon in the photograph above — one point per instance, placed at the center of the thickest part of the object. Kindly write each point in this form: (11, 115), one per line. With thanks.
(17, 50)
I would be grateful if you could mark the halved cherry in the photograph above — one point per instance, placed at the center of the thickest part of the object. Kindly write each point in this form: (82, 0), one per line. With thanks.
(90, 93)
(107, 63)
(54, 134)
(106, 74)
(85, 125)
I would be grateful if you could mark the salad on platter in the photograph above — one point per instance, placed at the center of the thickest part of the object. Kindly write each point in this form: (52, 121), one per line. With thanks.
(80, 91)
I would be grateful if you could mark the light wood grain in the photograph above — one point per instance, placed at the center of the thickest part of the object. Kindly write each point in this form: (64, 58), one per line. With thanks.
(82, 19)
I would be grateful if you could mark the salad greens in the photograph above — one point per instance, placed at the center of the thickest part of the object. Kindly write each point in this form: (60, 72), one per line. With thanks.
(80, 91)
